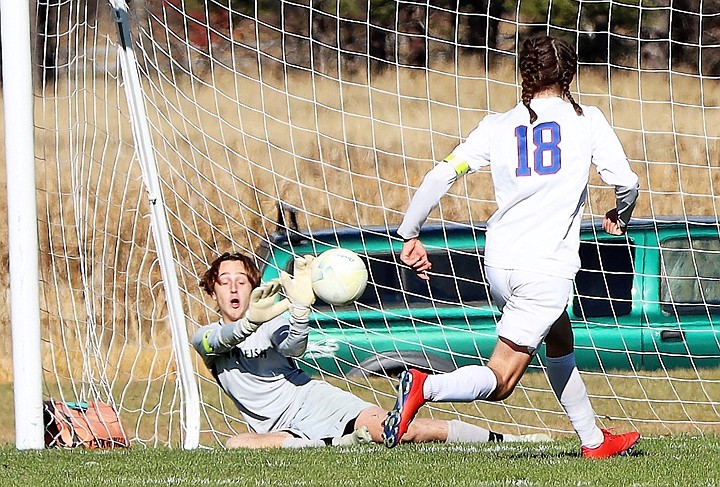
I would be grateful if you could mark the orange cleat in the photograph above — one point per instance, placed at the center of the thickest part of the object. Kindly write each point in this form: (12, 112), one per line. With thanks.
(409, 399)
(612, 445)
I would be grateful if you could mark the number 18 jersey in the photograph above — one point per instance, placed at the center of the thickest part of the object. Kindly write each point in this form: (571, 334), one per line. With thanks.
(540, 173)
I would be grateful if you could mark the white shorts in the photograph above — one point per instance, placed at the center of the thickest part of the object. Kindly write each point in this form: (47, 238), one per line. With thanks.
(323, 411)
(530, 303)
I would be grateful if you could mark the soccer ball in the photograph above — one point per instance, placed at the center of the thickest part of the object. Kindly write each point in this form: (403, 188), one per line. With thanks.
(339, 276)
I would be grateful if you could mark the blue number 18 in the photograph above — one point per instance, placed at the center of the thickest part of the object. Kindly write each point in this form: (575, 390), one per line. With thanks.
(542, 146)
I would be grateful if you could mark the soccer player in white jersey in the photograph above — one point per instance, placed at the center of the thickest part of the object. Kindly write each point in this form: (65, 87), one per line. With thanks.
(539, 153)
(249, 351)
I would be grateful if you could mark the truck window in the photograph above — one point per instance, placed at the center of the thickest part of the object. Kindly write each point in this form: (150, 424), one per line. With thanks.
(457, 278)
(690, 275)
(603, 285)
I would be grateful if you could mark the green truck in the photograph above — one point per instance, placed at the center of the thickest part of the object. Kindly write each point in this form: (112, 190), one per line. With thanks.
(646, 300)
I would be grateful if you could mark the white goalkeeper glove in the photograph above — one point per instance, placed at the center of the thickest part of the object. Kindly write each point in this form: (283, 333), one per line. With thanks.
(263, 307)
(298, 289)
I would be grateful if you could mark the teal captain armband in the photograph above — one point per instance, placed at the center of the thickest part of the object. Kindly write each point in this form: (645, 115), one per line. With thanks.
(461, 167)
(206, 343)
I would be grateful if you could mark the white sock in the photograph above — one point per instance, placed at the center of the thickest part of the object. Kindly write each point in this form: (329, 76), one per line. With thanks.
(570, 390)
(460, 432)
(465, 384)
(301, 443)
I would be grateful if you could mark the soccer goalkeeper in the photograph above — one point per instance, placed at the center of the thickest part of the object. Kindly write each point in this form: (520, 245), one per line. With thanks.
(249, 352)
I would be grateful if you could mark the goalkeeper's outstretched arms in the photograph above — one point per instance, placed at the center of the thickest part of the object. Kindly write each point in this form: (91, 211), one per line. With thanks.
(233, 282)
(218, 338)
(292, 341)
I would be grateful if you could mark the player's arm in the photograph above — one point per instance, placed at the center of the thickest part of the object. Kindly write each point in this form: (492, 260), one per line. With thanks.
(468, 157)
(617, 219)
(436, 183)
(203, 337)
(216, 339)
(291, 341)
(614, 169)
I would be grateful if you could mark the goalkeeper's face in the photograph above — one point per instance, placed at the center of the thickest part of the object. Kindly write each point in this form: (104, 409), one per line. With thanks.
(232, 290)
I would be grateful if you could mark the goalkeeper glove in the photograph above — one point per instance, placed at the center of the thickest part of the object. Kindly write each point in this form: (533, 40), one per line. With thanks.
(298, 289)
(263, 307)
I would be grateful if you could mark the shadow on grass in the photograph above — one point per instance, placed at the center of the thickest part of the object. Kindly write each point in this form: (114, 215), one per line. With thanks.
(564, 454)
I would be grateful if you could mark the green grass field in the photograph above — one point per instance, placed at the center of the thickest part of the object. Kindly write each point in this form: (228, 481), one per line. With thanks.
(656, 461)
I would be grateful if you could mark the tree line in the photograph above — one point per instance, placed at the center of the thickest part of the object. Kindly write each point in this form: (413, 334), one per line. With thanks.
(681, 35)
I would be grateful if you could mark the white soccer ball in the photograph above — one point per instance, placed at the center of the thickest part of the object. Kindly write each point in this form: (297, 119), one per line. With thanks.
(339, 276)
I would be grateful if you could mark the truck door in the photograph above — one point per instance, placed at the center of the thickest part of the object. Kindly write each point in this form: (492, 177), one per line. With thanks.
(605, 316)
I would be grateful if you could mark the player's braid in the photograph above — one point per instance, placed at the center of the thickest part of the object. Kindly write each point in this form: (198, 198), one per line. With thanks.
(566, 93)
(529, 71)
(526, 97)
(567, 65)
(546, 61)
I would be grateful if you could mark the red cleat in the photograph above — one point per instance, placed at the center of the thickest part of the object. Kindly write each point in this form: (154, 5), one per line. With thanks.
(409, 399)
(612, 445)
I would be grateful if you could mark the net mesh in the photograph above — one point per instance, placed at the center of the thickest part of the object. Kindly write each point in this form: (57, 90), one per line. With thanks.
(337, 110)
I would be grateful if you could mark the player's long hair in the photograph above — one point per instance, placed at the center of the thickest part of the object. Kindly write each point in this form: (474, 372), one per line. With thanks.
(547, 61)
(207, 281)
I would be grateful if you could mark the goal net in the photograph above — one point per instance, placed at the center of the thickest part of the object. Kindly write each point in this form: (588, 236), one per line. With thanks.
(333, 111)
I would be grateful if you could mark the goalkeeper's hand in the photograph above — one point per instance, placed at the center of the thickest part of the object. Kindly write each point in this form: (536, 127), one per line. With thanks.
(298, 289)
(263, 307)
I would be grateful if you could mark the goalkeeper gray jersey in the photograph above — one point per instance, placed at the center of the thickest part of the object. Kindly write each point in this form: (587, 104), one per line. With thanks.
(257, 373)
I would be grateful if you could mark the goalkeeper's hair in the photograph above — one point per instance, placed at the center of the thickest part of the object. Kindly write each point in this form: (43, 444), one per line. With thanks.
(546, 61)
(207, 281)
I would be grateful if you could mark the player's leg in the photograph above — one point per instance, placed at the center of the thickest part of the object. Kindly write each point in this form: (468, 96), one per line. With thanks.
(282, 439)
(509, 361)
(421, 430)
(372, 418)
(425, 430)
(570, 390)
(257, 440)
(462, 432)
(537, 308)
(492, 382)
(530, 303)
(566, 383)
(329, 414)
(466, 384)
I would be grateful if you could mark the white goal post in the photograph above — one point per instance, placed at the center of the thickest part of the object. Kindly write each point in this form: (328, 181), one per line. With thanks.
(22, 227)
(152, 158)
